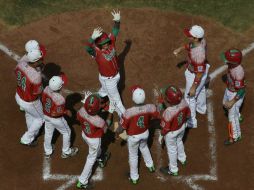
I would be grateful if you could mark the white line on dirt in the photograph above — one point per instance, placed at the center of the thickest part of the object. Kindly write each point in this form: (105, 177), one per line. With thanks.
(70, 179)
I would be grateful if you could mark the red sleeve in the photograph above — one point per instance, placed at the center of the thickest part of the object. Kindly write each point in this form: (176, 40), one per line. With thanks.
(112, 38)
(124, 123)
(37, 89)
(166, 126)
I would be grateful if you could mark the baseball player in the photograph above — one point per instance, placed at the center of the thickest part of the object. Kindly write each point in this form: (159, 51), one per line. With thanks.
(29, 88)
(101, 47)
(173, 124)
(93, 128)
(234, 93)
(136, 122)
(196, 72)
(54, 108)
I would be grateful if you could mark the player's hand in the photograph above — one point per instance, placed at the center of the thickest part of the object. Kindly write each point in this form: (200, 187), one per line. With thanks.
(116, 15)
(176, 52)
(68, 113)
(192, 91)
(229, 104)
(87, 94)
(160, 139)
(97, 32)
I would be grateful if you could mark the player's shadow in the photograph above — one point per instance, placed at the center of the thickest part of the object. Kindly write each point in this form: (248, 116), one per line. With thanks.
(181, 64)
(121, 61)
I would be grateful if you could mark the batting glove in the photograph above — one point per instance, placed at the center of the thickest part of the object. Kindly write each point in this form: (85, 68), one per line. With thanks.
(160, 139)
(97, 32)
(116, 15)
(87, 94)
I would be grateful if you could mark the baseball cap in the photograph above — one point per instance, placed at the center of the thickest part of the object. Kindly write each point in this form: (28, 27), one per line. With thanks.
(195, 31)
(34, 55)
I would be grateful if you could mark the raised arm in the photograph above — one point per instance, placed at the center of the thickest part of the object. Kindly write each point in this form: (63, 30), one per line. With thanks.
(116, 18)
(97, 32)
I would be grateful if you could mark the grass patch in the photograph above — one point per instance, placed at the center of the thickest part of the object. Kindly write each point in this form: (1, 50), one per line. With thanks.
(236, 14)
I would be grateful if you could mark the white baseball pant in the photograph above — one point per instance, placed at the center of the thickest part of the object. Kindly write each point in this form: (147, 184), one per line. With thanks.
(136, 142)
(175, 148)
(34, 118)
(198, 102)
(109, 88)
(233, 113)
(62, 126)
(94, 152)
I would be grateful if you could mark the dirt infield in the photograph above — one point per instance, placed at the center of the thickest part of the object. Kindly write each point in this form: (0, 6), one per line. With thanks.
(148, 61)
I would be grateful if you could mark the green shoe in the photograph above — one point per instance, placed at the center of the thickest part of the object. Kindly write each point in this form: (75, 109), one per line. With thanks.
(102, 162)
(229, 141)
(134, 182)
(151, 169)
(184, 163)
(83, 186)
(238, 139)
(166, 171)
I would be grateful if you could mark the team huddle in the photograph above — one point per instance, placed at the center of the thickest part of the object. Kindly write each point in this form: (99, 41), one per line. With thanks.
(175, 109)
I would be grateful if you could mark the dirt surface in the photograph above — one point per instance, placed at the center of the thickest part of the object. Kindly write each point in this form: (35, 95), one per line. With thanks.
(148, 61)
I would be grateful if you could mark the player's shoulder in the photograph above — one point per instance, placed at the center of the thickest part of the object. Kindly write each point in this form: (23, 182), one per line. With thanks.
(58, 98)
(237, 72)
(33, 75)
(136, 110)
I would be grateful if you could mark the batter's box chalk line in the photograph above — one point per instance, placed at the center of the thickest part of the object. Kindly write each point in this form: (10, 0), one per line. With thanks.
(189, 180)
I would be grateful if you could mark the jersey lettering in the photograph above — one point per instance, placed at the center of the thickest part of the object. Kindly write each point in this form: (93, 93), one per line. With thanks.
(21, 81)
(48, 105)
(180, 119)
(87, 128)
(140, 122)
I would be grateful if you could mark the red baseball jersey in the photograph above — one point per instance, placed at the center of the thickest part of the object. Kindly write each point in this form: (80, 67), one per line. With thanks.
(235, 78)
(174, 117)
(92, 126)
(29, 82)
(197, 57)
(136, 120)
(53, 103)
(106, 59)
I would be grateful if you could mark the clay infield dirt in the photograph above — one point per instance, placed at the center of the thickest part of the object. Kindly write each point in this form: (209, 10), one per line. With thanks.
(146, 60)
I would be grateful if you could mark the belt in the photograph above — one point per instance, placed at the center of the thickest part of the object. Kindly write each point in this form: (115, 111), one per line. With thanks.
(109, 77)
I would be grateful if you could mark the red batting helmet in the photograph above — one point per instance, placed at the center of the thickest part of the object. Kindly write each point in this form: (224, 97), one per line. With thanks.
(92, 104)
(173, 95)
(233, 56)
(103, 39)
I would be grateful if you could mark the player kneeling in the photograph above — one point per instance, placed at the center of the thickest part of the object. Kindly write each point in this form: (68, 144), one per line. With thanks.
(93, 128)
(54, 108)
(173, 124)
(136, 122)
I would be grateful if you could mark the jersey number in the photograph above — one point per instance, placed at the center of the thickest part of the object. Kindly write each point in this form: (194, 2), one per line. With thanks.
(48, 105)
(180, 119)
(21, 81)
(140, 122)
(87, 128)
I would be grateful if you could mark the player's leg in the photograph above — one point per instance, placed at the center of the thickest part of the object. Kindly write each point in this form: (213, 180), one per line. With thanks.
(238, 106)
(133, 144)
(146, 152)
(94, 145)
(49, 131)
(170, 141)
(201, 93)
(192, 122)
(114, 97)
(181, 156)
(34, 120)
(63, 128)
